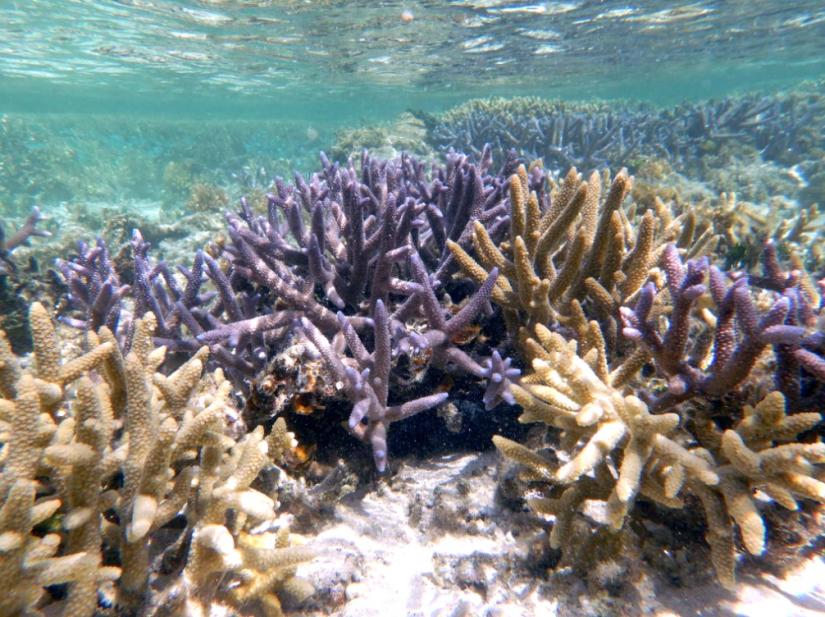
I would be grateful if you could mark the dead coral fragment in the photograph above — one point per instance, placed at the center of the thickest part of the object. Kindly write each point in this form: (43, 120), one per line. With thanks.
(18, 238)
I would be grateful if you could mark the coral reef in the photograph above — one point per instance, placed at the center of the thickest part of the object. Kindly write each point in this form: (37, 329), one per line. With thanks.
(112, 473)
(664, 381)
(375, 237)
(407, 134)
(580, 299)
(609, 420)
(785, 128)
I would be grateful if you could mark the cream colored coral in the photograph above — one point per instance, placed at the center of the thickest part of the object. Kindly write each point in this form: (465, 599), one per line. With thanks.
(584, 246)
(603, 429)
(599, 422)
(69, 426)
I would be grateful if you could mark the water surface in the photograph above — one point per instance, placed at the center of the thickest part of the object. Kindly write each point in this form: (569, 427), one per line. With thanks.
(341, 61)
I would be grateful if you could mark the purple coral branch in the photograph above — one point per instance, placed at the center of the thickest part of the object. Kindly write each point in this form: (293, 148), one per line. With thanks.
(366, 382)
(740, 336)
(26, 231)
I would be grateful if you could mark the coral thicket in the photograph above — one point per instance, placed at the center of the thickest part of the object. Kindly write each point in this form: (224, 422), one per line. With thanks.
(101, 453)
(652, 370)
(655, 305)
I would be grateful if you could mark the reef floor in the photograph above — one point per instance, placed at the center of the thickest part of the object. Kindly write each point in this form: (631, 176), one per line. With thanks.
(435, 541)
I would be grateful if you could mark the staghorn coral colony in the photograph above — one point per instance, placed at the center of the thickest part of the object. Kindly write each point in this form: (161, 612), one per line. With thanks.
(783, 128)
(102, 453)
(141, 439)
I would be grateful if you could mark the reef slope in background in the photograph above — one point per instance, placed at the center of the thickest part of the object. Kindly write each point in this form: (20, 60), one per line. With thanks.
(64, 158)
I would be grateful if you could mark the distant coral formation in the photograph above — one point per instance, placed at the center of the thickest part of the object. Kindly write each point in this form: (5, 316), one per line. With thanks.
(68, 158)
(406, 134)
(786, 128)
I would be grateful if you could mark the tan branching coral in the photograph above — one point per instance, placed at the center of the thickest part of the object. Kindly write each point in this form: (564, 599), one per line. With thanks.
(741, 228)
(603, 428)
(599, 422)
(759, 454)
(70, 428)
(577, 244)
(261, 567)
(37, 436)
(734, 220)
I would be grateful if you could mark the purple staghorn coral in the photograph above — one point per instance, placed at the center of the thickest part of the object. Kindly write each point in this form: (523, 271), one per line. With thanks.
(438, 337)
(19, 237)
(94, 287)
(566, 134)
(740, 334)
(327, 253)
(365, 380)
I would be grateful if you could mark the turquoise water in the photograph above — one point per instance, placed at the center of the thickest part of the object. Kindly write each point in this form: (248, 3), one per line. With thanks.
(338, 62)
(123, 88)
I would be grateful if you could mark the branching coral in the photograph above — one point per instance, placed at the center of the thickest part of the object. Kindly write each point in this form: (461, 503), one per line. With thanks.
(661, 455)
(603, 429)
(228, 564)
(365, 378)
(21, 236)
(732, 359)
(327, 250)
(632, 338)
(570, 245)
(367, 383)
(72, 428)
(742, 228)
(596, 134)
